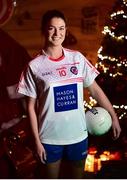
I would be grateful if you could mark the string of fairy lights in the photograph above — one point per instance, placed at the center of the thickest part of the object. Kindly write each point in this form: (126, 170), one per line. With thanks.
(92, 102)
(121, 12)
(108, 31)
(119, 62)
(112, 34)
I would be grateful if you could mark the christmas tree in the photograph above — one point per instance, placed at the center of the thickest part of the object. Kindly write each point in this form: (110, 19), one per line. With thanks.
(112, 65)
(112, 58)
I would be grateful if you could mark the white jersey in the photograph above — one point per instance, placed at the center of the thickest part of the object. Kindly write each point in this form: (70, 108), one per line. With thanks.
(58, 86)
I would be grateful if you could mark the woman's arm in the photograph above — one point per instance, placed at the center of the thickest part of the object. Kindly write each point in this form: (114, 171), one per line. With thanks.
(34, 126)
(104, 102)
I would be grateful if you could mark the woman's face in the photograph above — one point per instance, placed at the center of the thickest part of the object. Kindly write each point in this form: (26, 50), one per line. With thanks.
(55, 31)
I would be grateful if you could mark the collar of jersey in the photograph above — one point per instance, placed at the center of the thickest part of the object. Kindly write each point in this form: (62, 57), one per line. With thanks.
(53, 59)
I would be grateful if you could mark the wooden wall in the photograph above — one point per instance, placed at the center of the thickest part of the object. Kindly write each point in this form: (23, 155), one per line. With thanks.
(86, 19)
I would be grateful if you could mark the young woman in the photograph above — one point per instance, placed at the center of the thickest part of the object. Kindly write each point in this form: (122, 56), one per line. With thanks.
(54, 83)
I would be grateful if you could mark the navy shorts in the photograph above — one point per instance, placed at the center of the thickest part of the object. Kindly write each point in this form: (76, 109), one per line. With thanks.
(73, 152)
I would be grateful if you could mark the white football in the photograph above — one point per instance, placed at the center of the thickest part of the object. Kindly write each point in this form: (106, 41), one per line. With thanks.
(98, 121)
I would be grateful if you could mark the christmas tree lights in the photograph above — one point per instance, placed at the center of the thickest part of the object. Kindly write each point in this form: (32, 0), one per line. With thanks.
(112, 59)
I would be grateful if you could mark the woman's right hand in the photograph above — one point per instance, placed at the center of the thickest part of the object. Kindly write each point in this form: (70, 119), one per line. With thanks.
(41, 152)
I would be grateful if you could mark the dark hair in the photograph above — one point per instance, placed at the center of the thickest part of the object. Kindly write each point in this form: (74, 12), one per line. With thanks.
(49, 15)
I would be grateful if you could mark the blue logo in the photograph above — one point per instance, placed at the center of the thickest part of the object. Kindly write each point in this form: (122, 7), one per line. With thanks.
(65, 97)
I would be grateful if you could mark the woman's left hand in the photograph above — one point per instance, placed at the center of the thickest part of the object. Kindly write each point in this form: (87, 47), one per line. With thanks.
(116, 129)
